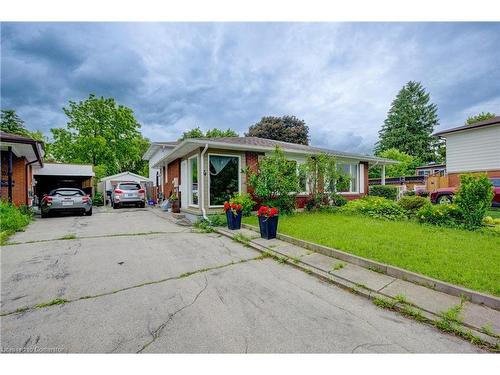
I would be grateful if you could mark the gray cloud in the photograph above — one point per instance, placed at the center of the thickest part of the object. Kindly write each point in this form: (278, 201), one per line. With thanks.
(339, 77)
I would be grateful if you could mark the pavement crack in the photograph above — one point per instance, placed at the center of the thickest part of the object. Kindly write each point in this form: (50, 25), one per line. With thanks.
(385, 286)
(157, 332)
(178, 277)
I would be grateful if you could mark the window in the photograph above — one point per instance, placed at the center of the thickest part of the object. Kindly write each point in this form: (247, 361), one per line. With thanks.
(351, 170)
(193, 180)
(224, 180)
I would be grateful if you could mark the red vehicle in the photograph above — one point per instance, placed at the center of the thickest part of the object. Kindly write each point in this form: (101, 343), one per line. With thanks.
(445, 195)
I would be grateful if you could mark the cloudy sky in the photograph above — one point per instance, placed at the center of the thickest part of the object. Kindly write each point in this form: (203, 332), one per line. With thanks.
(339, 77)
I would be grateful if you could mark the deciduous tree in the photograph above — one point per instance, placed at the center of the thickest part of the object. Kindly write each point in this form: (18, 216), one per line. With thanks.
(101, 132)
(286, 129)
(479, 117)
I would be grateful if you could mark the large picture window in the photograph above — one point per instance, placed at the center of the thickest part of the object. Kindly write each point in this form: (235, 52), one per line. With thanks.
(193, 180)
(350, 170)
(224, 179)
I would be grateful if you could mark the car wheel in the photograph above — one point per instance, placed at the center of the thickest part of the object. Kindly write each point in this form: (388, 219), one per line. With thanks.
(89, 213)
(115, 205)
(44, 215)
(445, 199)
(142, 205)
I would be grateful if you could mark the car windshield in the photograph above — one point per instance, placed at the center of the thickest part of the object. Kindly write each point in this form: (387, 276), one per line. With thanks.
(130, 186)
(495, 182)
(67, 192)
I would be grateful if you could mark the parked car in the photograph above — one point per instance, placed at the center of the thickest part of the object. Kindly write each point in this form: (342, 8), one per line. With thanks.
(128, 193)
(66, 200)
(445, 195)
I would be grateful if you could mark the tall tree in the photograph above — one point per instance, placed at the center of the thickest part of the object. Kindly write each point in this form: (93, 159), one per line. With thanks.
(211, 133)
(101, 132)
(12, 123)
(410, 123)
(479, 117)
(286, 129)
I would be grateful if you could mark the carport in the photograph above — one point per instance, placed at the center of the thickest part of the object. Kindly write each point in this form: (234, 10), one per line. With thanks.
(57, 175)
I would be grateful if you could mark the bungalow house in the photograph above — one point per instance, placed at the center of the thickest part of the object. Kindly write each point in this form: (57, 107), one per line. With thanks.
(19, 155)
(204, 172)
(472, 148)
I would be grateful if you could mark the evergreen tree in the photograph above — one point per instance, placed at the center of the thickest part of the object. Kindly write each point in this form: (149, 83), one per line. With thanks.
(12, 123)
(410, 123)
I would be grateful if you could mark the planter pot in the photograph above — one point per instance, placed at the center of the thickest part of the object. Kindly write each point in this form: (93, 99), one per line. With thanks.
(176, 207)
(268, 227)
(233, 222)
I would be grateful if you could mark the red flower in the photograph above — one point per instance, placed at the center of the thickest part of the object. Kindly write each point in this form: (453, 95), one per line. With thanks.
(239, 207)
(262, 211)
(273, 211)
(234, 206)
(226, 206)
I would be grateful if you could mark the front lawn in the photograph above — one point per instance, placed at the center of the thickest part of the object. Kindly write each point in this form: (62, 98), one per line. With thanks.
(494, 213)
(12, 219)
(470, 259)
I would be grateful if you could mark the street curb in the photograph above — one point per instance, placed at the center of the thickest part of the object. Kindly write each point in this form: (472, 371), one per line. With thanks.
(441, 286)
(361, 290)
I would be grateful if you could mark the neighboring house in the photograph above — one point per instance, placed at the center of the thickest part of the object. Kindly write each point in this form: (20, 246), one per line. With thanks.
(205, 172)
(19, 155)
(56, 175)
(472, 148)
(431, 169)
(155, 152)
(107, 183)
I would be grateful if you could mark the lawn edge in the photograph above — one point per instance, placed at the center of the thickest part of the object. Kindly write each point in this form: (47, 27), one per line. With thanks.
(400, 273)
(481, 339)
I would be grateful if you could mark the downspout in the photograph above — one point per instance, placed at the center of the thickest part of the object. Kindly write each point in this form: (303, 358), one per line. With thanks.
(202, 195)
(26, 179)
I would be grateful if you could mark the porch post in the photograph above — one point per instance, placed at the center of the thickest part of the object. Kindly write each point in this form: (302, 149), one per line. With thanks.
(9, 174)
(383, 175)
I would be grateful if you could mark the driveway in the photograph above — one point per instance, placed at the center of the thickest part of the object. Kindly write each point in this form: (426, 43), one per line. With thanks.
(136, 282)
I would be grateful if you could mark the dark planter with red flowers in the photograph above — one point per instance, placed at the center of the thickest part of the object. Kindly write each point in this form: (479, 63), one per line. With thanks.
(233, 215)
(268, 222)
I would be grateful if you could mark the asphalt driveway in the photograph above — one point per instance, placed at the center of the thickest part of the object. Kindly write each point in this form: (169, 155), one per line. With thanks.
(133, 281)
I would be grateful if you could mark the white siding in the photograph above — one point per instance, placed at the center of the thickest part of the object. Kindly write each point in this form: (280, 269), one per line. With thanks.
(473, 150)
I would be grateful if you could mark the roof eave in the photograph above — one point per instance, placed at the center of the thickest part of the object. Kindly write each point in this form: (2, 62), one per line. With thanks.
(173, 155)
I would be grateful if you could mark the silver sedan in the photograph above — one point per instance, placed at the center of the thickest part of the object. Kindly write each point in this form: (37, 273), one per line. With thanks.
(66, 200)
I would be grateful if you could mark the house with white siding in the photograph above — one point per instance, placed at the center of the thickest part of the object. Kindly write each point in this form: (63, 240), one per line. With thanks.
(472, 148)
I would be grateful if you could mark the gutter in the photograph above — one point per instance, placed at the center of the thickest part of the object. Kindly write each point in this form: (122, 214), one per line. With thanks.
(202, 195)
(26, 178)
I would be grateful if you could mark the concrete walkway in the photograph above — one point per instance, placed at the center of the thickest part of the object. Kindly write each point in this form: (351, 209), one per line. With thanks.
(474, 319)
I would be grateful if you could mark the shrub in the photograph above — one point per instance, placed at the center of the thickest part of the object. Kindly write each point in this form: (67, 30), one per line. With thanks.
(98, 199)
(276, 181)
(338, 200)
(315, 201)
(385, 191)
(376, 207)
(13, 219)
(246, 202)
(441, 214)
(473, 199)
(409, 193)
(412, 203)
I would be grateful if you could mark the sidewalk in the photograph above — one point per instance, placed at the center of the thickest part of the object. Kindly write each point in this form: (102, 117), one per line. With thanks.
(472, 321)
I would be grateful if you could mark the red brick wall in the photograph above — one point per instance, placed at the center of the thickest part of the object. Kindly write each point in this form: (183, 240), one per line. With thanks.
(365, 174)
(454, 178)
(252, 162)
(19, 193)
(173, 171)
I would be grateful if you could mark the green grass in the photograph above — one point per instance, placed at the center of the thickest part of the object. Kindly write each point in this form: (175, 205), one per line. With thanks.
(494, 213)
(12, 219)
(461, 257)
